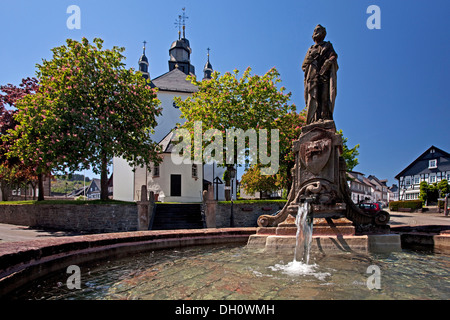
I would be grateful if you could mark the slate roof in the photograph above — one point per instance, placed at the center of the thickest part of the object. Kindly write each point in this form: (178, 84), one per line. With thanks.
(166, 142)
(421, 164)
(174, 80)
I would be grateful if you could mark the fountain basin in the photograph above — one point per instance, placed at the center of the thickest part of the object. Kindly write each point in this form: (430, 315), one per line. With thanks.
(230, 272)
(22, 262)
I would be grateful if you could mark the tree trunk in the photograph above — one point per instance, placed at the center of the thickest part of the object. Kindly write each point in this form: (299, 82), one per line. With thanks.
(33, 187)
(5, 191)
(40, 187)
(104, 179)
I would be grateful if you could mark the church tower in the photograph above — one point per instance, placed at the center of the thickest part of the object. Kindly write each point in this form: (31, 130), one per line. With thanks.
(143, 65)
(180, 50)
(208, 69)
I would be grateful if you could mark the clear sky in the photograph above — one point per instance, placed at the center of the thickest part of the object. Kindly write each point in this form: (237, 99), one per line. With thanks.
(393, 82)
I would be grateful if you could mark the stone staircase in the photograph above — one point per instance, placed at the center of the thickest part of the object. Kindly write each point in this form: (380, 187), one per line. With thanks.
(177, 216)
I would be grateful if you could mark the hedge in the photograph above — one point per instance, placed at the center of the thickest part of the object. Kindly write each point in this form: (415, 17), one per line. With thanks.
(410, 204)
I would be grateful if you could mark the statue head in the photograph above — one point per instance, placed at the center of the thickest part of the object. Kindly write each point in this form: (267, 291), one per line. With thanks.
(319, 33)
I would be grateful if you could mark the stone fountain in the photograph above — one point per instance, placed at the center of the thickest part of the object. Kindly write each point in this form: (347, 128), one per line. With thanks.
(319, 173)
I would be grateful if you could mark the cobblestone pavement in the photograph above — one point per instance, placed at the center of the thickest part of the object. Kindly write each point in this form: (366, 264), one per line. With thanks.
(10, 233)
(418, 219)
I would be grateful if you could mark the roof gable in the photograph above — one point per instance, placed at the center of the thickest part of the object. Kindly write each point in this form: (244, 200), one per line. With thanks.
(174, 80)
(166, 142)
(420, 165)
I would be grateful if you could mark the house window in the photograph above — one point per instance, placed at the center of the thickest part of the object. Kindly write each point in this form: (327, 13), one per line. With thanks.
(156, 171)
(432, 164)
(432, 179)
(408, 181)
(448, 176)
(416, 180)
(194, 171)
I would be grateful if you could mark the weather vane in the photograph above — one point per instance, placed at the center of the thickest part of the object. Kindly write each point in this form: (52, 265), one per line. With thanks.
(181, 23)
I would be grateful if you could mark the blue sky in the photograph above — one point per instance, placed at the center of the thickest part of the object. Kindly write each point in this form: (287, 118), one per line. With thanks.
(393, 83)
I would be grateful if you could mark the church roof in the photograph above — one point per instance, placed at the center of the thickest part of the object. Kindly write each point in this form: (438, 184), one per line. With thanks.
(166, 142)
(174, 80)
(143, 58)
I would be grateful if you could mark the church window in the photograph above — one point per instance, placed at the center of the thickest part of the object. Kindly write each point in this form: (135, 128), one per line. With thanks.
(194, 171)
(156, 171)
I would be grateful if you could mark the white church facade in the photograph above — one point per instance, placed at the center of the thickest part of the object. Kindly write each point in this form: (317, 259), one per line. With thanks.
(170, 182)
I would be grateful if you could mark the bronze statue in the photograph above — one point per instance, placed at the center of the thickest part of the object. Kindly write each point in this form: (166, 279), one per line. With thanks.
(319, 175)
(320, 67)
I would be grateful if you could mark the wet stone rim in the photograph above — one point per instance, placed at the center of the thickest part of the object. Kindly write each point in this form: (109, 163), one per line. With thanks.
(21, 262)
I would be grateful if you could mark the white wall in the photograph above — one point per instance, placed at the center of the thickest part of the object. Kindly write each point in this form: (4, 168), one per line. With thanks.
(191, 187)
(124, 184)
(170, 115)
(123, 180)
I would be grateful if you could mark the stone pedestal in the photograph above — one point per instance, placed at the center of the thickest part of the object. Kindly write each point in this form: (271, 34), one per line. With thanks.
(145, 209)
(210, 207)
(329, 236)
(319, 177)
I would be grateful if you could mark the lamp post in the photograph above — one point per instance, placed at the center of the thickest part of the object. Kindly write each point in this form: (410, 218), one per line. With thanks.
(232, 176)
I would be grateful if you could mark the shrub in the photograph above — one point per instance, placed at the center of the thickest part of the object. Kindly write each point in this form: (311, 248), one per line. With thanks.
(412, 204)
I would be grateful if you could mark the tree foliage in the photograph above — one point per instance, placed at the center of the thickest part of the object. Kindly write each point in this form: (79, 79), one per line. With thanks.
(231, 102)
(247, 102)
(225, 102)
(290, 125)
(253, 181)
(349, 154)
(88, 109)
(13, 172)
(443, 187)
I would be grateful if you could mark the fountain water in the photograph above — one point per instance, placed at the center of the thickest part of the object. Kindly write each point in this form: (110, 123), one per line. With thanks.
(304, 223)
(300, 265)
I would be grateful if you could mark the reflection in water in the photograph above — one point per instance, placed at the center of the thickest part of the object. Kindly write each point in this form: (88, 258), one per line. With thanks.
(225, 272)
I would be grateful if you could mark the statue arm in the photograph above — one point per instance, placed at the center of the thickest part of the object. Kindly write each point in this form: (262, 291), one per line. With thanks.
(309, 58)
(306, 63)
(332, 58)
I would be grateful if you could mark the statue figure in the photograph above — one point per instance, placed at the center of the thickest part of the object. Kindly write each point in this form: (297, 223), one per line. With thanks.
(319, 175)
(320, 67)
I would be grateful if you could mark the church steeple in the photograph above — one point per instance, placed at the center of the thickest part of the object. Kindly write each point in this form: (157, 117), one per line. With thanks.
(143, 64)
(208, 69)
(180, 50)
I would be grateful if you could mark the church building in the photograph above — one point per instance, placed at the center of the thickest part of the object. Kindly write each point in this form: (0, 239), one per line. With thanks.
(169, 182)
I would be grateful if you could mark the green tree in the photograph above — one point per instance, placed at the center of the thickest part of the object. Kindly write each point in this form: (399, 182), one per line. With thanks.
(89, 109)
(423, 192)
(253, 181)
(290, 126)
(231, 102)
(349, 154)
(13, 172)
(226, 102)
(443, 187)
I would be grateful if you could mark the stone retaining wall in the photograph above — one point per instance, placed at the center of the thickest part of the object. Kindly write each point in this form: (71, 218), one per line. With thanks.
(90, 218)
(245, 215)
